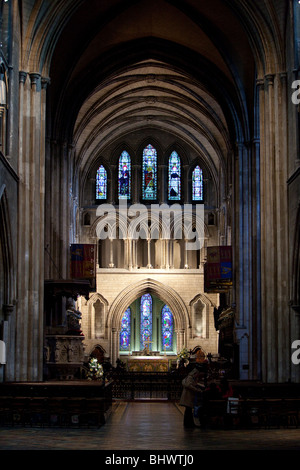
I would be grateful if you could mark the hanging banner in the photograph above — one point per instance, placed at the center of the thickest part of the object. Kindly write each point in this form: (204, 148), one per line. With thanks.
(83, 261)
(218, 269)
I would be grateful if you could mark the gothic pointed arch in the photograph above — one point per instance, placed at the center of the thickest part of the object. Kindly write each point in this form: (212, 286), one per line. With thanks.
(167, 294)
(97, 310)
(200, 307)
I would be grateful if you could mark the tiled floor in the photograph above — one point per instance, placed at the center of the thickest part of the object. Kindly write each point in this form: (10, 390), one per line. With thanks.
(147, 426)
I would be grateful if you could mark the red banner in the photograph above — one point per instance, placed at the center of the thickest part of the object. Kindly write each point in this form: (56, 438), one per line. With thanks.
(218, 269)
(83, 261)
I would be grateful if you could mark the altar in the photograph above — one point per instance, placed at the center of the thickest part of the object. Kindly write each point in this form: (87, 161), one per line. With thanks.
(147, 363)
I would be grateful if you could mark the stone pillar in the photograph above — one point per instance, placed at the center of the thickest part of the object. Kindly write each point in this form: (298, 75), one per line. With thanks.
(125, 253)
(30, 308)
(243, 254)
(167, 257)
(276, 354)
(114, 346)
(134, 253)
(111, 253)
(130, 263)
(186, 264)
(149, 265)
(171, 253)
(180, 340)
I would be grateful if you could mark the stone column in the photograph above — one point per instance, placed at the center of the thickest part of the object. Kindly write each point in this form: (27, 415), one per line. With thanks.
(180, 340)
(130, 254)
(276, 354)
(162, 253)
(62, 214)
(149, 265)
(30, 309)
(171, 253)
(243, 254)
(125, 253)
(114, 347)
(134, 253)
(167, 257)
(186, 264)
(111, 253)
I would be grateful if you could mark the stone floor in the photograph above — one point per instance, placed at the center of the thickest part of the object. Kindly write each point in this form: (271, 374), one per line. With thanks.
(146, 425)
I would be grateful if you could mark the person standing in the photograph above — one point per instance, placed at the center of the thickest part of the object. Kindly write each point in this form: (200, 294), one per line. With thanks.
(191, 388)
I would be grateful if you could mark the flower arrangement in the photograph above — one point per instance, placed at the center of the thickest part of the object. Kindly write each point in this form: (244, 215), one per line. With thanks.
(183, 354)
(95, 370)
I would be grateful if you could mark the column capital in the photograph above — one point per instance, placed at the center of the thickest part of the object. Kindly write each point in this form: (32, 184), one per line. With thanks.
(22, 76)
(260, 83)
(45, 82)
(270, 79)
(8, 310)
(35, 79)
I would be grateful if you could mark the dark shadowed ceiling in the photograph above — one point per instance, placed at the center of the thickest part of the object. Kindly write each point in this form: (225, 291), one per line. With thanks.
(187, 68)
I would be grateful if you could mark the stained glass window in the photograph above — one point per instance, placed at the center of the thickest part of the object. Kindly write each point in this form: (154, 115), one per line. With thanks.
(101, 183)
(167, 329)
(125, 331)
(197, 184)
(124, 176)
(146, 321)
(174, 186)
(149, 173)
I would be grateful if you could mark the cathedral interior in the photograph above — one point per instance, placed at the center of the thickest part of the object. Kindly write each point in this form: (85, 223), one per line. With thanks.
(149, 187)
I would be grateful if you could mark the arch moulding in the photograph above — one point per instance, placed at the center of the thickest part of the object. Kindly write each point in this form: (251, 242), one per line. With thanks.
(151, 286)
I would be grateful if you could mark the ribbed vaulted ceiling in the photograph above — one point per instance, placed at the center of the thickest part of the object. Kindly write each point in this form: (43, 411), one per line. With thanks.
(120, 66)
(150, 93)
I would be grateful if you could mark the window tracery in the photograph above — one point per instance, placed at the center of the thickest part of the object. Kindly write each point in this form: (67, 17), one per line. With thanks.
(101, 183)
(125, 331)
(149, 173)
(174, 183)
(167, 329)
(124, 176)
(149, 177)
(197, 184)
(146, 321)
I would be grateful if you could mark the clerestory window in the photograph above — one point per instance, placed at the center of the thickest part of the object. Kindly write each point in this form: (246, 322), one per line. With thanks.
(101, 183)
(124, 176)
(174, 174)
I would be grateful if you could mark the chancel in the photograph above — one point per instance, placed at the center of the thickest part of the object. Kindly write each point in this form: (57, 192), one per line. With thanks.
(149, 193)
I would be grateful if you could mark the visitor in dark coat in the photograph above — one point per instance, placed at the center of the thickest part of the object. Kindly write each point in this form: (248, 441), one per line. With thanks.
(191, 386)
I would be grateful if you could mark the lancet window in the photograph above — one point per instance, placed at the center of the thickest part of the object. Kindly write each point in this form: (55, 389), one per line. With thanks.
(142, 321)
(167, 329)
(101, 183)
(197, 184)
(174, 183)
(146, 321)
(149, 176)
(124, 176)
(125, 331)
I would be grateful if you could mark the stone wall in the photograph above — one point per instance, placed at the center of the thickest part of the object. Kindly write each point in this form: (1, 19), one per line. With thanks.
(186, 288)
